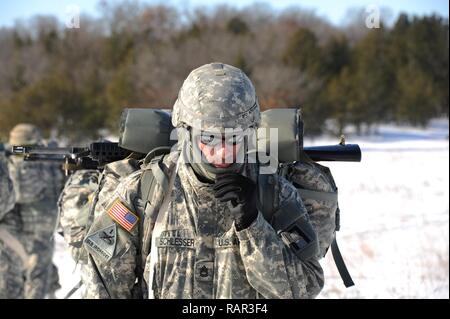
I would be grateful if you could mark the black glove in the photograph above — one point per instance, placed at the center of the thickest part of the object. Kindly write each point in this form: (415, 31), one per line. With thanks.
(239, 192)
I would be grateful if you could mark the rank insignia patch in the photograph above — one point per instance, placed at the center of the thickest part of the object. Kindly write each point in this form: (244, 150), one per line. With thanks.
(122, 215)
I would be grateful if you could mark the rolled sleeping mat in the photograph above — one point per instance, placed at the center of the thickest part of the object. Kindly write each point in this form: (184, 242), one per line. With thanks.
(142, 130)
(289, 125)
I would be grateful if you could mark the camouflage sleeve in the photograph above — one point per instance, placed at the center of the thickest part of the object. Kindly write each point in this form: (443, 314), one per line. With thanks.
(73, 206)
(272, 268)
(7, 197)
(112, 243)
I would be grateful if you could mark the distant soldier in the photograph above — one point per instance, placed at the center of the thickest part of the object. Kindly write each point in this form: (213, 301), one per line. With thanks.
(7, 198)
(37, 186)
(12, 253)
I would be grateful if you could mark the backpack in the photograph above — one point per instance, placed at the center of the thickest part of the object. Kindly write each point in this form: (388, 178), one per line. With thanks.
(84, 190)
(314, 182)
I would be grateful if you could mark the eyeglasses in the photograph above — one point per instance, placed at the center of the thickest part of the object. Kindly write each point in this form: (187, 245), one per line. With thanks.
(213, 139)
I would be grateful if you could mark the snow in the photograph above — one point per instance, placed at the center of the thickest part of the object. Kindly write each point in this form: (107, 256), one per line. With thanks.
(69, 272)
(394, 206)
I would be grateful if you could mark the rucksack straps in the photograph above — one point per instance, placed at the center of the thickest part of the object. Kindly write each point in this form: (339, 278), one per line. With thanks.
(294, 228)
(340, 264)
(320, 196)
(337, 256)
(151, 176)
(268, 194)
(159, 228)
(268, 191)
(74, 289)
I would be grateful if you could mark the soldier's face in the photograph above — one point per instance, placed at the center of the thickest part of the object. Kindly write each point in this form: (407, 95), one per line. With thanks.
(219, 151)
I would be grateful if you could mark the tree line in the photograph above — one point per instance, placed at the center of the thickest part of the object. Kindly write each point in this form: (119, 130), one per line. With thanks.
(75, 82)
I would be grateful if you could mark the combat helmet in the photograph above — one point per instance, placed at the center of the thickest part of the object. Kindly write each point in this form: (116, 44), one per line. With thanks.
(25, 134)
(219, 96)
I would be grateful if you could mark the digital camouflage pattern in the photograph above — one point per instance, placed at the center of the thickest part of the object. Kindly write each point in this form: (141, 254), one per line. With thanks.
(37, 186)
(201, 255)
(11, 271)
(11, 267)
(7, 197)
(36, 181)
(84, 190)
(219, 95)
(111, 176)
(322, 213)
(73, 205)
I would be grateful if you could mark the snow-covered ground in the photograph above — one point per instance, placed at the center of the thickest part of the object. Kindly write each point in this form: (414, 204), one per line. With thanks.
(394, 217)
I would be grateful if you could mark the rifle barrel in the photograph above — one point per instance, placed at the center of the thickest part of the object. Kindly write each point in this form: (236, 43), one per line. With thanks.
(42, 150)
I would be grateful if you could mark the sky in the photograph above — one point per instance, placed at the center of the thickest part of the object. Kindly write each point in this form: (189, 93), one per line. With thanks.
(335, 11)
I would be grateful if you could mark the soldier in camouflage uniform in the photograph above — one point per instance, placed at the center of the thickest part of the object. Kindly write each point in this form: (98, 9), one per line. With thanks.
(208, 237)
(12, 253)
(7, 197)
(37, 186)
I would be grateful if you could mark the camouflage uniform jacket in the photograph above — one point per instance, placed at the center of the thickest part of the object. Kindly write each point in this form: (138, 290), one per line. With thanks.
(11, 265)
(200, 253)
(37, 186)
(7, 197)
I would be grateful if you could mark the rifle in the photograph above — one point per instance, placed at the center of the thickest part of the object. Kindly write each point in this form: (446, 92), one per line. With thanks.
(98, 154)
(95, 156)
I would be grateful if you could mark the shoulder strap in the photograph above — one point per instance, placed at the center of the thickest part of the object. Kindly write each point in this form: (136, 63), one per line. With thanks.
(304, 157)
(152, 175)
(74, 289)
(337, 256)
(340, 264)
(268, 193)
(322, 196)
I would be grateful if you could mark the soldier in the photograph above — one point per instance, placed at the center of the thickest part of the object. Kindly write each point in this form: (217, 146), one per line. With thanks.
(203, 219)
(7, 197)
(37, 186)
(12, 253)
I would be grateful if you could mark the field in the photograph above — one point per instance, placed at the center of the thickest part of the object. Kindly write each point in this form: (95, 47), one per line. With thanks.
(394, 217)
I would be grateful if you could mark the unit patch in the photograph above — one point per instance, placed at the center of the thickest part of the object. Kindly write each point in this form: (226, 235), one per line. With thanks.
(103, 242)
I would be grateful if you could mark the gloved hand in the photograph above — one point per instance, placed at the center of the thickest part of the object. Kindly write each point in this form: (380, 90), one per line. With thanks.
(239, 192)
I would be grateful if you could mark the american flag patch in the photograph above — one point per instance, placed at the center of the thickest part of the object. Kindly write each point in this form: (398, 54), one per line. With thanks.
(122, 215)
